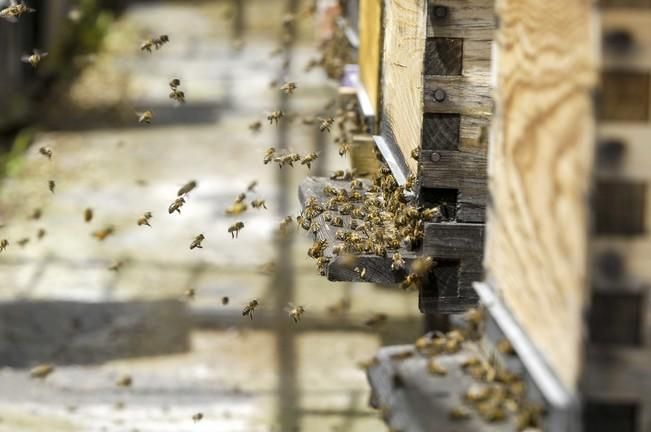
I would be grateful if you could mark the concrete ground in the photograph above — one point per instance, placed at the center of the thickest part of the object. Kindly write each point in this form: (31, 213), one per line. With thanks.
(265, 375)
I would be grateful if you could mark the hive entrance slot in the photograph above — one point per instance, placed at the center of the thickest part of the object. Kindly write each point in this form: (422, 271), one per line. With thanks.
(607, 417)
(445, 198)
(616, 318)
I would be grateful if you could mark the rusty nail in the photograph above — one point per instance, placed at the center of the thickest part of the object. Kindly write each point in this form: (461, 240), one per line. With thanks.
(435, 157)
(439, 95)
(440, 11)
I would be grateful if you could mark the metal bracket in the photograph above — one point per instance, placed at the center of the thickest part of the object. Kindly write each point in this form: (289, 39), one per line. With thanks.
(393, 157)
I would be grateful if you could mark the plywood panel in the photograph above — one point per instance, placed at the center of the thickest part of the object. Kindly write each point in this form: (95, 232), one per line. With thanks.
(370, 48)
(539, 172)
(402, 70)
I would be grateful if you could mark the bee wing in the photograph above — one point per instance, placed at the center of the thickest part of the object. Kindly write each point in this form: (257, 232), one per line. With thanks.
(24, 58)
(9, 18)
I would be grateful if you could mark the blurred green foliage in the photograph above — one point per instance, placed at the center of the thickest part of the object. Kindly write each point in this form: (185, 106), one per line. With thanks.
(11, 159)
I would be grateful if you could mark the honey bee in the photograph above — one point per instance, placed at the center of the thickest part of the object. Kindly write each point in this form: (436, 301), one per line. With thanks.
(102, 234)
(344, 148)
(41, 371)
(422, 266)
(197, 417)
(251, 187)
(356, 184)
(190, 293)
(296, 312)
(187, 188)
(339, 308)
(3, 244)
(477, 393)
(275, 116)
(117, 266)
(337, 221)
(249, 308)
(433, 213)
(235, 229)
(154, 43)
(15, 11)
(236, 209)
(51, 185)
(88, 215)
(255, 126)
(124, 381)
(144, 220)
(361, 272)
(376, 320)
(326, 124)
(288, 87)
(435, 368)
(397, 263)
(459, 413)
(315, 227)
(147, 45)
(415, 153)
(341, 175)
(410, 183)
(225, 300)
(176, 205)
(317, 249)
(36, 214)
(46, 151)
(145, 117)
(269, 155)
(33, 59)
(177, 95)
(258, 203)
(505, 347)
(175, 83)
(412, 280)
(402, 355)
(491, 412)
(308, 159)
(196, 243)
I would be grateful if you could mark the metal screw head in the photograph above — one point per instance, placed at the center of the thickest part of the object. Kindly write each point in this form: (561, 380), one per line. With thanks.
(439, 95)
(440, 12)
(435, 157)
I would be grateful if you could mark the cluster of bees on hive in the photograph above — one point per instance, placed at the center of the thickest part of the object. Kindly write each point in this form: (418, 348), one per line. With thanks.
(496, 393)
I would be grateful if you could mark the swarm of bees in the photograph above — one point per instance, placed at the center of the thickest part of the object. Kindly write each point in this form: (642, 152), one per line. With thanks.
(154, 43)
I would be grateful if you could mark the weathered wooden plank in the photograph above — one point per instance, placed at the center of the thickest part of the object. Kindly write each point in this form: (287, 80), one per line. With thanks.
(627, 39)
(617, 317)
(468, 95)
(402, 75)
(362, 155)
(443, 56)
(441, 131)
(619, 207)
(624, 152)
(453, 240)
(618, 374)
(470, 19)
(625, 96)
(370, 48)
(539, 174)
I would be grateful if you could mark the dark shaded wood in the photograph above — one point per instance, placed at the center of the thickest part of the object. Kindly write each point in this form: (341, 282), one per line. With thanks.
(606, 4)
(601, 416)
(464, 95)
(445, 199)
(443, 56)
(617, 374)
(617, 318)
(453, 240)
(441, 131)
(624, 96)
(619, 207)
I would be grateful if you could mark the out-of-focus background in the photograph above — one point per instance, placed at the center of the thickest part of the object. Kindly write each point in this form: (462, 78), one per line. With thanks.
(60, 303)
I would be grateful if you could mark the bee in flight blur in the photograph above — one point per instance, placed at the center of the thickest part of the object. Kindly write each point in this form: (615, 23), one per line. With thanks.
(176, 94)
(249, 308)
(41, 371)
(326, 124)
(258, 203)
(15, 11)
(154, 43)
(117, 266)
(34, 58)
(308, 159)
(255, 126)
(176, 205)
(269, 155)
(144, 220)
(275, 116)
(234, 229)
(88, 215)
(102, 234)
(3, 244)
(46, 151)
(51, 185)
(145, 117)
(196, 243)
(288, 87)
(187, 188)
(295, 312)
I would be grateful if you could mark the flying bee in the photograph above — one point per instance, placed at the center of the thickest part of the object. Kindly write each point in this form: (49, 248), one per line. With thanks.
(160, 41)
(3, 244)
(258, 203)
(250, 308)
(196, 243)
(177, 95)
(15, 11)
(344, 148)
(40, 233)
(46, 151)
(235, 229)
(236, 209)
(197, 417)
(36, 214)
(124, 381)
(505, 347)
(225, 300)
(275, 116)
(115, 267)
(175, 83)
(308, 159)
(35, 58)
(397, 263)
(295, 312)
(422, 266)
(51, 185)
(255, 126)
(145, 117)
(312, 63)
(317, 249)
(435, 368)
(376, 320)
(176, 205)
(41, 371)
(269, 155)
(187, 188)
(102, 234)
(190, 293)
(147, 45)
(288, 87)
(23, 242)
(240, 197)
(144, 220)
(251, 187)
(88, 215)
(412, 280)
(326, 124)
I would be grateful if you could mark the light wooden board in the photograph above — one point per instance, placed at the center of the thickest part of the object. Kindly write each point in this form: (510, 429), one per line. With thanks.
(638, 25)
(402, 74)
(468, 19)
(370, 48)
(539, 172)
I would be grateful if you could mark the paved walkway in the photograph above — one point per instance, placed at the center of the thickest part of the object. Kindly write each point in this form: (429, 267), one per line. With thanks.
(230, 368)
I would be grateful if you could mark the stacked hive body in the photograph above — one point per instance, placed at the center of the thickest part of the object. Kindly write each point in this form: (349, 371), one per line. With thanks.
(617, 380)
(422, 84)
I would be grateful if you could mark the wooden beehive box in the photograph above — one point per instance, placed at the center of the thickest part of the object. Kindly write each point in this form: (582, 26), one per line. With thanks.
(423, 82)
